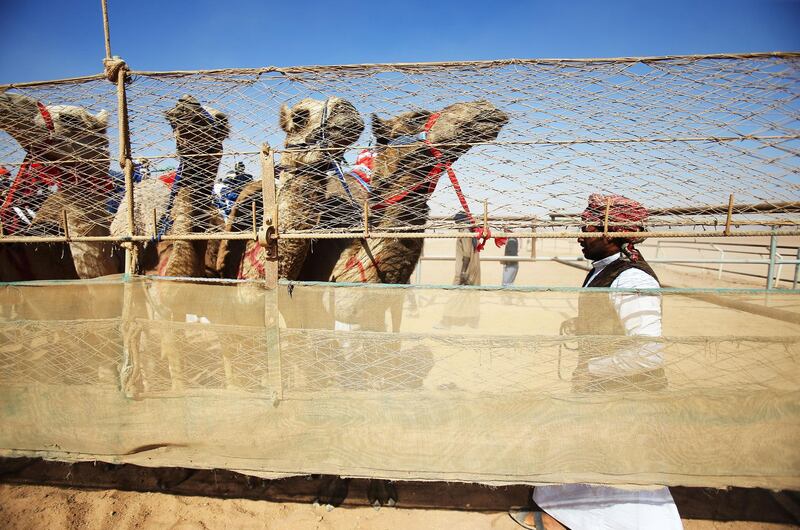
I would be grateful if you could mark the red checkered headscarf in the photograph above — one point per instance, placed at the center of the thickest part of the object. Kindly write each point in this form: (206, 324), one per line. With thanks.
(620, 210)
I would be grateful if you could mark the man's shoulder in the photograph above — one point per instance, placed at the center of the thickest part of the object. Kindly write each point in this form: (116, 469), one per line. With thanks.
(634, 278)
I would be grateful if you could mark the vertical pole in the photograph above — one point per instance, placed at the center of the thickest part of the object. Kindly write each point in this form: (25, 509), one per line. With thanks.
(117, 72)
(105, 28)
(269, 202)
(533, 239)
(271, 295)
(773, 250)
(419, 266)
(729, 217)
(366, 218)
(796, 269)
(125, 162)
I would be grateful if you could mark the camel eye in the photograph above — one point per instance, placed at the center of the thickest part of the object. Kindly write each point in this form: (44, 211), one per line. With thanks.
(300, 118)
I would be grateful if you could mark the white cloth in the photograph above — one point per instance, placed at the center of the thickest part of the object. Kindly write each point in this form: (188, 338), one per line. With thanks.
(581, 506)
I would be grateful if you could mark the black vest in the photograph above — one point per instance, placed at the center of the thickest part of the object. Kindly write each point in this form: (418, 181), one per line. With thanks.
(596, 313)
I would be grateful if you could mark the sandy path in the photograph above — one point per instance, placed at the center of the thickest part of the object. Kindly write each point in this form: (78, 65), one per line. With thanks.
(25, 507)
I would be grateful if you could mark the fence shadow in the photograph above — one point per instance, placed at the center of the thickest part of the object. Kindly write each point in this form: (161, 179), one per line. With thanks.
(733, 504)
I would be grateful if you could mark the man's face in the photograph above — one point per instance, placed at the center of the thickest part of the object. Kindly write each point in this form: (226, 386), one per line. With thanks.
(595, 248)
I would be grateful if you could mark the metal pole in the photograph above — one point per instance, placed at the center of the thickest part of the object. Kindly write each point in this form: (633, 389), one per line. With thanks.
(796, 270)
(773, 250)
(721, 258)
(422, 255)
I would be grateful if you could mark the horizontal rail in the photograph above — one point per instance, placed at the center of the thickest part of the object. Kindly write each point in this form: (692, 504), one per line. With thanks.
(538, 142)
(650, 260)
(756, 245)
(473, 64)
(294, 70)
(775, 207)
(394, 235)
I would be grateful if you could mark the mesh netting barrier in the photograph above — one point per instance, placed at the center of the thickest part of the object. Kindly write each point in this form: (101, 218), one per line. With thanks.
(314, 378)
(348, 168)
(703, 142)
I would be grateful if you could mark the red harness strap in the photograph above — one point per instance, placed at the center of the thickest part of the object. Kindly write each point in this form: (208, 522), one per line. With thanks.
(48, 120)
(30, 178)
(362, 271)
(432, 179)
(252, 257)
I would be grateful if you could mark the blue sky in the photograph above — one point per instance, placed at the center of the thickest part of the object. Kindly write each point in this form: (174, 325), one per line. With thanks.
(50, 39)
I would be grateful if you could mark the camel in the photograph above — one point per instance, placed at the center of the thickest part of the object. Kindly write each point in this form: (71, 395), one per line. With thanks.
(317, 134)
(186, 208)
(404, 177)
(67, 148)
(414, 149)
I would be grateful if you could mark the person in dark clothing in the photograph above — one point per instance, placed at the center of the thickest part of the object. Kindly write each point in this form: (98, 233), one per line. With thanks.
(608, 366)
(463, 308)
(228, 189)
(511, 268)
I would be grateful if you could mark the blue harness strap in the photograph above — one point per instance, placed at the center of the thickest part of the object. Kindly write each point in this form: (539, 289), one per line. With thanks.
(337, 170)
(342, 176)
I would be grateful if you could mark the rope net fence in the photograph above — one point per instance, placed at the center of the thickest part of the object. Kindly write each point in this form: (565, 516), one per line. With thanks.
(272, 382)
(702, 142)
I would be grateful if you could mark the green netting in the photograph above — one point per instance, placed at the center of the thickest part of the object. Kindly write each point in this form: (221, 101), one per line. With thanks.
(362, 381)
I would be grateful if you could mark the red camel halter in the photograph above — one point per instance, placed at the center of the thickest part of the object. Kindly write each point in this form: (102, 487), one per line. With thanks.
(428, 184)
(33, 175)
(29, 176)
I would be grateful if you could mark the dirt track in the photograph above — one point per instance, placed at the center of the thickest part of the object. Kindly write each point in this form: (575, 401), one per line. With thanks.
(24, 507)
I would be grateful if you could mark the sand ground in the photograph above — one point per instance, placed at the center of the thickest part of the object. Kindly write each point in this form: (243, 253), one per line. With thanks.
(29, 507)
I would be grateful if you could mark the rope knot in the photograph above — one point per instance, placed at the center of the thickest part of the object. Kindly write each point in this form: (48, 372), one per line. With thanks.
(113, 67)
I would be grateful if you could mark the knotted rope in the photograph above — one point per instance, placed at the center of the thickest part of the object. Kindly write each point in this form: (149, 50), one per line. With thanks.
(112, 67)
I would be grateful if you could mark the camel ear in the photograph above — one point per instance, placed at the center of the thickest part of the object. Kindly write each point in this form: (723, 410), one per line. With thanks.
(102, 119)
(285, 118)
(379, 129)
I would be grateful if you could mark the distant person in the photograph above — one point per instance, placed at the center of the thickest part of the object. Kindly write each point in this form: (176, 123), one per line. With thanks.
(227, 189)
(144, 169)
(463, 309)
(618, 265)
(511, 268)
(468, 263)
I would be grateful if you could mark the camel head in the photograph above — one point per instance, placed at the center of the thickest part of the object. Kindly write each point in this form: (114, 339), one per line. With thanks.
(53, 132)
(198, 129)
(410, 144)
(456, 128)
(318, 131)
